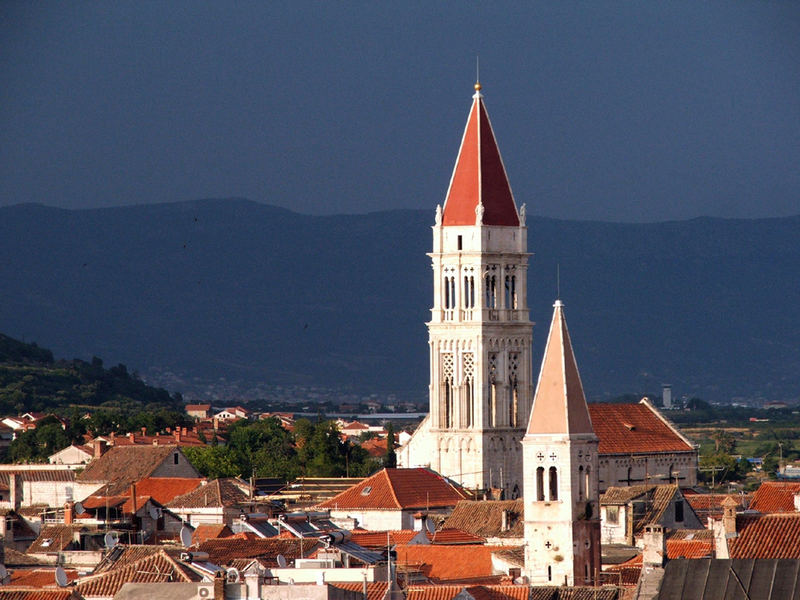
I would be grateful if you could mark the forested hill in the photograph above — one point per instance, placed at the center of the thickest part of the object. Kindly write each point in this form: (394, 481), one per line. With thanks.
(31, 380)
(241, 290)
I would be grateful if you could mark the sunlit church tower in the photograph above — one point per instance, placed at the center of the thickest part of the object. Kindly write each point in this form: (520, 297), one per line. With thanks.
(562, 517)
(480, 332)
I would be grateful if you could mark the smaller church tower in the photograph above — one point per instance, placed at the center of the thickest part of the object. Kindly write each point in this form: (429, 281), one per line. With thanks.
(559, 454)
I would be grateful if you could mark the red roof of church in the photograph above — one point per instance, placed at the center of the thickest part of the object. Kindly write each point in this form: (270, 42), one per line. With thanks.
(479, 176)
(559, 405)
(629, 428)
(398, 489)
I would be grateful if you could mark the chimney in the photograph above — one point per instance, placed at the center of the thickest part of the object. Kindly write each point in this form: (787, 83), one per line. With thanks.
(133, 499)
(797, 503)
(729, 515)
(504, 520)
(69, 513)
(144, 431)
(111, 435)
(219, 585)
(184, 431)
(132, 437)
(169, 429)
(177, 435)
(654, 553)
(14, 490)
(100, 447)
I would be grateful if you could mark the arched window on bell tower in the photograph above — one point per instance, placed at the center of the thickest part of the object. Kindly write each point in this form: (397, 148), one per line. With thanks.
(469, 389)
(493, 385)
(553, 484)
(513, 389)
(447, 390)
(540, 484)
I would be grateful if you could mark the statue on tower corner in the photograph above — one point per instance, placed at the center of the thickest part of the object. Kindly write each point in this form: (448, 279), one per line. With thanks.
(479, 214)
(438, 214)
(522, 215)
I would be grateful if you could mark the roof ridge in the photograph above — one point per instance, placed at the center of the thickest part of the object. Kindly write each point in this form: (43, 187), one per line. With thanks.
(391, 488)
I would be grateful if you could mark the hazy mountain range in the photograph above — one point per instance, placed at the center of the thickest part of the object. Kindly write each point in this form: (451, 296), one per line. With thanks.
(236, 289)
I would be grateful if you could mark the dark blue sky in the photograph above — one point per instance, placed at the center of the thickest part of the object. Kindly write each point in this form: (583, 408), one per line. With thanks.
(627, 111)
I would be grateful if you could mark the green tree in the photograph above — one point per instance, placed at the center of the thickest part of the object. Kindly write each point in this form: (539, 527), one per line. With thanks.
(213, 461)
(391, 456)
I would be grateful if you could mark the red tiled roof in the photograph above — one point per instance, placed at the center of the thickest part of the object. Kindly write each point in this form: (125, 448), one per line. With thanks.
(479, 176)
(449, 563)
(226, 491)
(55, 538)
(377, 539)
(398, 489)
(775, 496)
(197, 407)
(766, 536)
(158, 568)
(39, 578)
(626, 428)
(164, 489)
(485, 518)
(122, 465)
(210, 531)
(448, 592)
(710, 505)
(375, 590)
(375, 447)
(35, 594)
(222, 550)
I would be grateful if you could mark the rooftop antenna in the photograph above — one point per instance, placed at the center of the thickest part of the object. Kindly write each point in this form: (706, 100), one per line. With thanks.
(477, 69)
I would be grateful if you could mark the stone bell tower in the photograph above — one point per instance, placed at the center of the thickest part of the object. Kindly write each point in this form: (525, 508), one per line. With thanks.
(562, 514)
(480, 333)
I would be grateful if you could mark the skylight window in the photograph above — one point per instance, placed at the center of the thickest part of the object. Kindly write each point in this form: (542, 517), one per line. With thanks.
(366, 491)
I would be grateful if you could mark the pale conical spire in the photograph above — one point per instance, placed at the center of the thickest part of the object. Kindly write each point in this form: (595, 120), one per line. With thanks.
(559, 406)
(479, 185)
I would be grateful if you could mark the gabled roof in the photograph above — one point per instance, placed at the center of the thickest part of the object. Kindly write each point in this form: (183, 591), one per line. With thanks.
(164, 489)
(157, 568)
(775, 496)
(122, 465)
(210, 531)
(122, 555)
(656, 497)
(221, 551)
(376, 590)
(766, 536)
(223, 492)
(55, 538)
(710, 505)
(39, 578)
(479, 176)
(448, 592)
(633, 428)
(399, 489)
(559, 405)
(485, 518)
(20, 593)
(449, 563)
(378, 539)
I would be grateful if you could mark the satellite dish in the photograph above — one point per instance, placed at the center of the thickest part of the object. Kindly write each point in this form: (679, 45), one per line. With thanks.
(153, 513)
(78, 507)
(430, 526)
(61, 577)
(109, 541)
(186, 536)
(281, 561)
(232, 574)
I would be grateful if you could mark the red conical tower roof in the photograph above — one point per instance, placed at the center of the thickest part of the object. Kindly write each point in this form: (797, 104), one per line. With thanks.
(479, 176)
(559, 405)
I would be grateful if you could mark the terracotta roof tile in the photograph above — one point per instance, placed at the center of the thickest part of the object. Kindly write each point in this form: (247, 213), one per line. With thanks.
(125, 554)
(36, 594)
(158, 568)
(449, 563)
(479, 176)
(122, 465)
(375, 590)
(626, 428)
(54, 538)
(227, 491)
(39, 578)
(484, 518)
(447, 592)
(766, 536)
(710, 505)
(210, 531)
(164, 489)
(399, 489)
(775, 496)
(222, 550)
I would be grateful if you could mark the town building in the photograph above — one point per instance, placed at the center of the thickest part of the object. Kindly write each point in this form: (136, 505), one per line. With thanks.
(480, 333)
